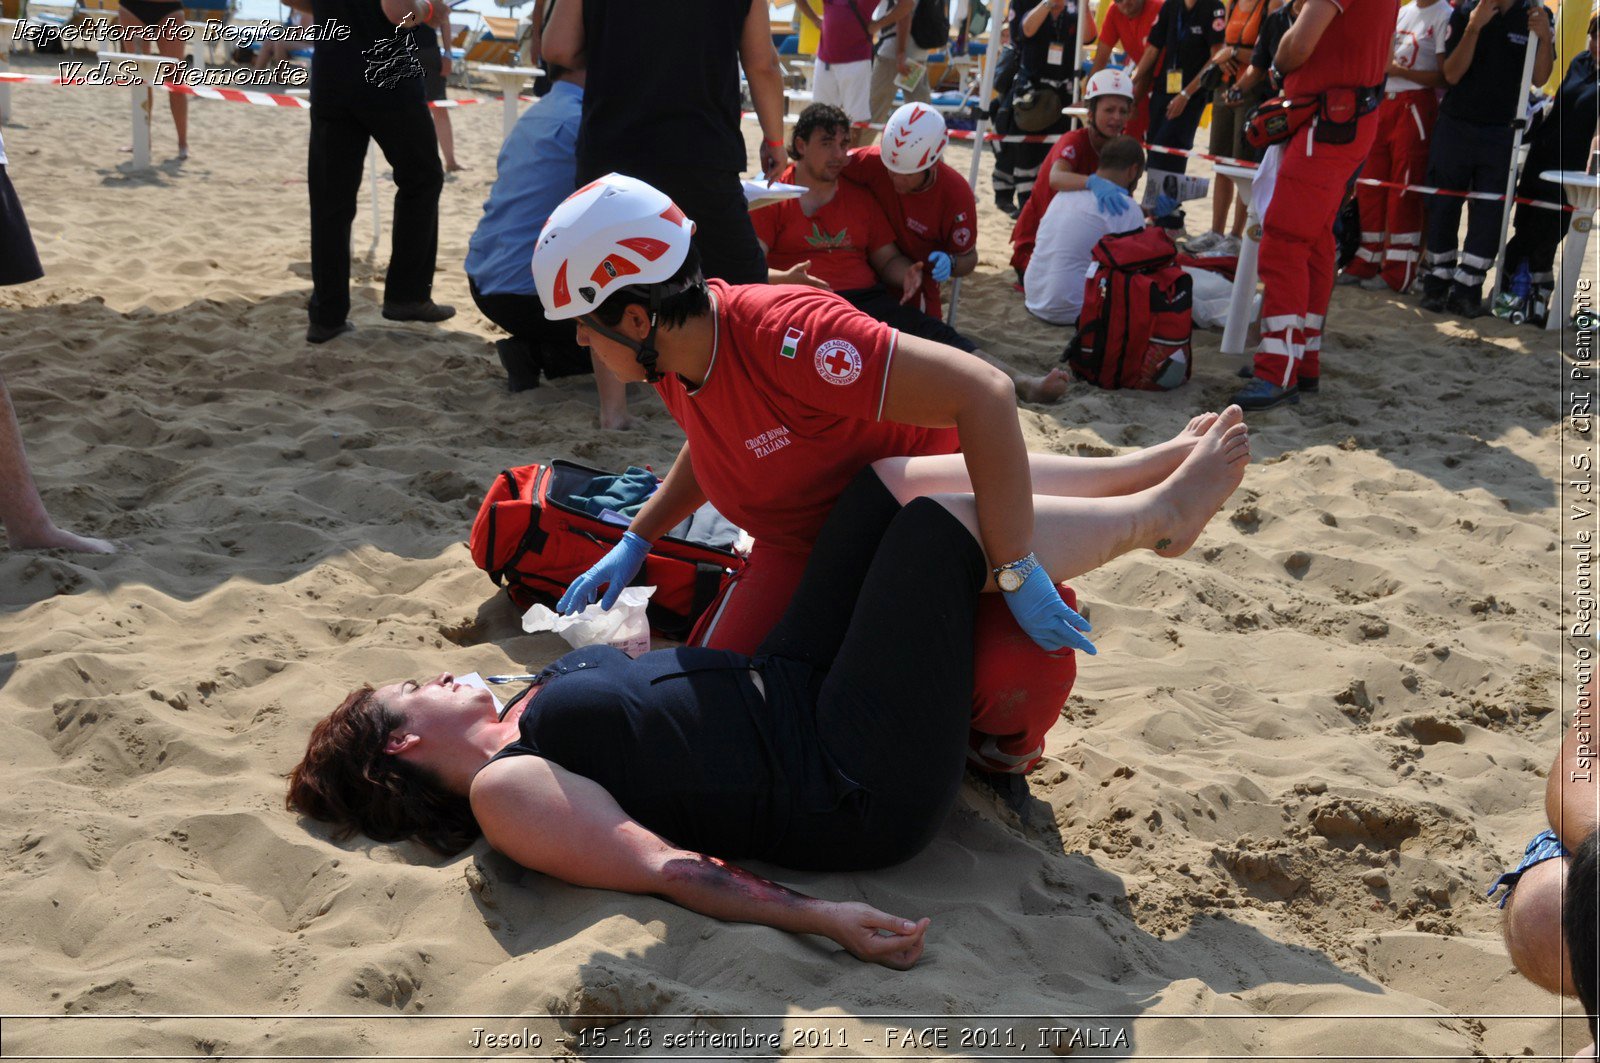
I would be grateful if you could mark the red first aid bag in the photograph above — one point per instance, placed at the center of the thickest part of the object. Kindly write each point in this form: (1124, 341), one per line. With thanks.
(534, 540)
(1137, 323)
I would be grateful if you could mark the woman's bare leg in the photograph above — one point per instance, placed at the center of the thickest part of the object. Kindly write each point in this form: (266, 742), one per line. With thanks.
(1053, 474)
(1076, 535)
(28, 526)
(172, 46)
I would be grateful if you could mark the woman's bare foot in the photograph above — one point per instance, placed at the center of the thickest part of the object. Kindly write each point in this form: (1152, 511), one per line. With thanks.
(51, 537)
(1192, 495)
(616, 422)
(1043, 389)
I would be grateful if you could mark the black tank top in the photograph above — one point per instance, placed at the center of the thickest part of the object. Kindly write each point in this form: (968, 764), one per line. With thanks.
(662, 88)
(685, 743)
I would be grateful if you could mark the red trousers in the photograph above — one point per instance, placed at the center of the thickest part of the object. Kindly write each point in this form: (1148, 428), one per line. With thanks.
(1391, 219)
(1019, 689)
(1297, 250)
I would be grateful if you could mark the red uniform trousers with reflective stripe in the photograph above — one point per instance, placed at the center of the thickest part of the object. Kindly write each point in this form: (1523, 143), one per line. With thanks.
(1019, 689)
(1297, 250)
(1391, 219)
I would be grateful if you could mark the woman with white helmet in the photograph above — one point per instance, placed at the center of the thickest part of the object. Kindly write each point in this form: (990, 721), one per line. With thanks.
(1071, 164)
(785, 393)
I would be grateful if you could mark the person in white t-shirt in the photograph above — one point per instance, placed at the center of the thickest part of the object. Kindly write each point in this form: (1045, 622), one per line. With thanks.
(1391, 220)
(1071, 227)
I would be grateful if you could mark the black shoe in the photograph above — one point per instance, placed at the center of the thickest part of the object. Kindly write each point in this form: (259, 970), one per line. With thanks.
(1464, 302)
(1308, 385)
(316, 333)
(424, 311)
(1433, 300)
(522, 371)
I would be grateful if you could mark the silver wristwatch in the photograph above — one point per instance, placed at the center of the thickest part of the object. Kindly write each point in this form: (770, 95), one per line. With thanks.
(1009, 577)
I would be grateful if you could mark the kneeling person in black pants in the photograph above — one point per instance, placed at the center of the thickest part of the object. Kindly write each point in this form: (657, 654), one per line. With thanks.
(837, 237)
(839, 745)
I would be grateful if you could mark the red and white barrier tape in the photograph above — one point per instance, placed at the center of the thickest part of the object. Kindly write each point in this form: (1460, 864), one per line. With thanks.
(1372, 182)
(273, 99)
(251, 96)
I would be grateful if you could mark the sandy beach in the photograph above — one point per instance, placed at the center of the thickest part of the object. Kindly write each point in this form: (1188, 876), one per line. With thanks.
(1264, 827)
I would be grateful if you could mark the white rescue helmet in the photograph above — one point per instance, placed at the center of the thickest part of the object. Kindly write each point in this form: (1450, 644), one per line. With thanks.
(914, 139)
(613, 233)
(1109, 82)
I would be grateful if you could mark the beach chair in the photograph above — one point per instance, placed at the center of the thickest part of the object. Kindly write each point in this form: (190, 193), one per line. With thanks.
(498, 42)
(90, 12)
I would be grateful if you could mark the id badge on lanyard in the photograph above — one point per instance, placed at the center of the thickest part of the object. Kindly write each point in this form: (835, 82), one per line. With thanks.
(1057, 53)
(1174, 62)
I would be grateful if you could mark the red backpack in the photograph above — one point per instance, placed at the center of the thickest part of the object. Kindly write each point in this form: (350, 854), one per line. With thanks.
(1137, 319)
(534, 541)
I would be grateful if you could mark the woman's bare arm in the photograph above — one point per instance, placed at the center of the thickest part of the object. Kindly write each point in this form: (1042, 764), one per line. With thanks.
(569, 827)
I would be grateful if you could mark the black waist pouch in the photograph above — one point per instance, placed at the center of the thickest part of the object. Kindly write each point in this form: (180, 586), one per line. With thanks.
(1339, 113)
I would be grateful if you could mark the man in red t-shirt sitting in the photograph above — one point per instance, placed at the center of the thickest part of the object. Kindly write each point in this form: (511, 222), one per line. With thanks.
(1071, 164)
(838, 238)
(929, 205)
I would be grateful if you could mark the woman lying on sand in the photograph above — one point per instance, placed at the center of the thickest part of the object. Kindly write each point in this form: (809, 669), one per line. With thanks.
(839, 746)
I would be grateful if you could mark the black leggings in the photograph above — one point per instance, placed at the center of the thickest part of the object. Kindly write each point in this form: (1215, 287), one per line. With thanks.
(880, 633)
(879, 303)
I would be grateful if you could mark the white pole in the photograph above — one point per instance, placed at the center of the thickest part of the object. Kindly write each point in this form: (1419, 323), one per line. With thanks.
(1077, 46)
(377, 209)
(1520, 125)
(991, 56)
(141, 97)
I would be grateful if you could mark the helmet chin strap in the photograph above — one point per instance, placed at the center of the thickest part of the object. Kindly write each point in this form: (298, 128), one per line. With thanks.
(643, 350)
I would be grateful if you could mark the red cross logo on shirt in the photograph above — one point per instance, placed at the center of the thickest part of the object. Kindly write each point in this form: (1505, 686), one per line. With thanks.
(838, 362)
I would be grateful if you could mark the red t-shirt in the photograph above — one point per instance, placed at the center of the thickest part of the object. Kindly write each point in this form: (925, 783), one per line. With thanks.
(1077, 150)
(942, 217)
(1353, 52)
(1129, 34)
(836, 240)
(791, 408)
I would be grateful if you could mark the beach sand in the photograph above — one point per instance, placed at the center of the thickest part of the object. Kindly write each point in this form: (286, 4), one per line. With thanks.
(1263, 829)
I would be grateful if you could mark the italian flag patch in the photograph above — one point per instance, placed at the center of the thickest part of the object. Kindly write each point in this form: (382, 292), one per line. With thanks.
(791, 342)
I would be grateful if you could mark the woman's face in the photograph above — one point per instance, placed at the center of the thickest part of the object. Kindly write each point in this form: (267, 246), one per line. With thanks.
(439, 703)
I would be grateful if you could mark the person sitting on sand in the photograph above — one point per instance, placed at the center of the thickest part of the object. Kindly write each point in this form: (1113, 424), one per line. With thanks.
(1072, 226)
(1551, 897)
(839, 746)
(930, 207)
(836, 237)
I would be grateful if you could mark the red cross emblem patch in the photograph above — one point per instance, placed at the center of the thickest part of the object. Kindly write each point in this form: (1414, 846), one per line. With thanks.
(838, 362)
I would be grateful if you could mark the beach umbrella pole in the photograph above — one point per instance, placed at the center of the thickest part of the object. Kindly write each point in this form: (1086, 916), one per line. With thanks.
(1521, 126)
(985, 88)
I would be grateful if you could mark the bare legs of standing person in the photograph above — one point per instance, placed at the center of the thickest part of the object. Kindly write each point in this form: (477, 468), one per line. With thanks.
(171, 45)
(28, 526)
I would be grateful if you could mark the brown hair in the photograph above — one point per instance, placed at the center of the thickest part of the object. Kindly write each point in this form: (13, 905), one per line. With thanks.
(1121, 153)
(348, 780)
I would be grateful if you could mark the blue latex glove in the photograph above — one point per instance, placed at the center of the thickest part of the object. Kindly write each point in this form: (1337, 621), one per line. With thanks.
(1048, 620)
(1164, 205)
(1108, 198)
(614, 572)
(939, 266)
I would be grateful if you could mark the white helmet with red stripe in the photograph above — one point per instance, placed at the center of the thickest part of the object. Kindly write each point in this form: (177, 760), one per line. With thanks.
(1109, 82)
(613, 233)
(914, 139)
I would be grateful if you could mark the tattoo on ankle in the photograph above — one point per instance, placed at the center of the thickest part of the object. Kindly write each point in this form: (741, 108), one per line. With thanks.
(1162, 544)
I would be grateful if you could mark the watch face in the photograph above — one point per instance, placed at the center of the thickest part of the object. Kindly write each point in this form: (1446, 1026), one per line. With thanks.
(1009, 580)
